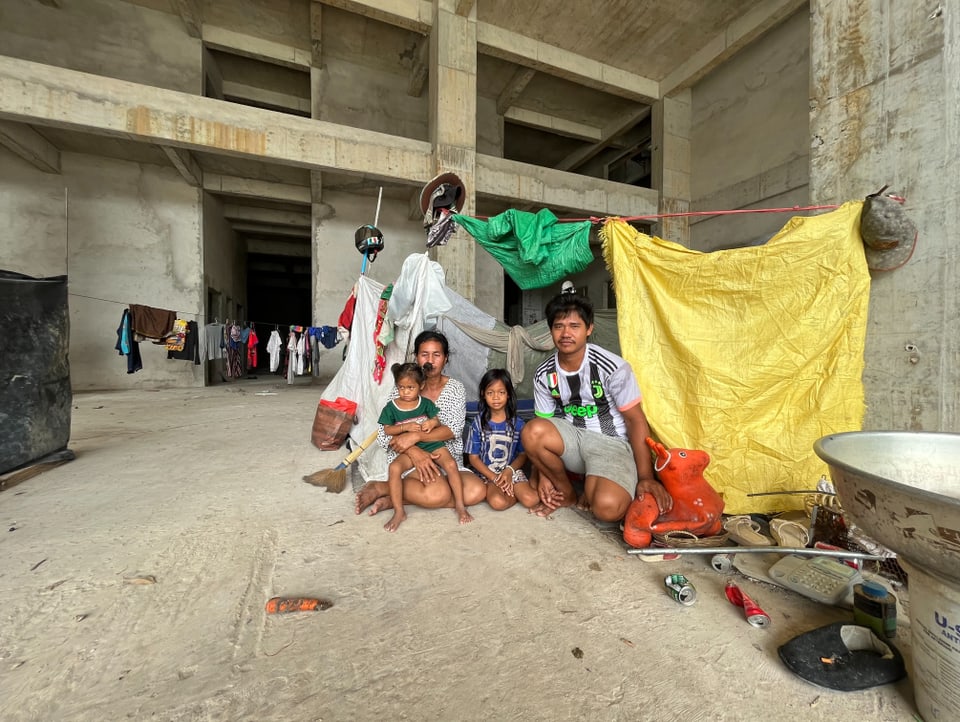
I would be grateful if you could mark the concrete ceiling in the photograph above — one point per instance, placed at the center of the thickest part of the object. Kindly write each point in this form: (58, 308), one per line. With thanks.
(649, 38)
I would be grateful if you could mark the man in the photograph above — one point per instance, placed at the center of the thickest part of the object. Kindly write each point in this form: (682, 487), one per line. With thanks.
(589, 420)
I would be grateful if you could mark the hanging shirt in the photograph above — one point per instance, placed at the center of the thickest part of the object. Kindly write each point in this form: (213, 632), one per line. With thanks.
(300, 348)
(252, 341)
(213, 334)
(273, 348)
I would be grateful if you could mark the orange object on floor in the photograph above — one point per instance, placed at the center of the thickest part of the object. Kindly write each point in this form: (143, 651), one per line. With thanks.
(697, 507)
(282, 605)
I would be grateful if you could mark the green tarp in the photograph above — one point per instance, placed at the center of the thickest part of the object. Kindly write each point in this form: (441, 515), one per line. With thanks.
(533, 248)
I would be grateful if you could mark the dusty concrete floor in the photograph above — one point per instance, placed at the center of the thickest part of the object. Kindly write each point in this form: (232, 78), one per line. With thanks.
(202, 489)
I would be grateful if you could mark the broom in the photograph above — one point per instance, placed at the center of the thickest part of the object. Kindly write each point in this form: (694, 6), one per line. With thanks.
(335, 479)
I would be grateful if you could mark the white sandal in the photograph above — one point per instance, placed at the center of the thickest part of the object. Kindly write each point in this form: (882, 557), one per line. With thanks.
(746, 532)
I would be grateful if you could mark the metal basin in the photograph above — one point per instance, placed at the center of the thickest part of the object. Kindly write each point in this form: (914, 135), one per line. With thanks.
(903, 489)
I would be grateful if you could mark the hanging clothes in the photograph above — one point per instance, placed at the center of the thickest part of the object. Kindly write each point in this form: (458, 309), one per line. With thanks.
(301, 353)
(151, 322)
(234, 352)
(252, 341)
(380, 362)
(213, 337)
(291, 356)
(126, 345)
(178, 336)
(274, 345)
(189, 347)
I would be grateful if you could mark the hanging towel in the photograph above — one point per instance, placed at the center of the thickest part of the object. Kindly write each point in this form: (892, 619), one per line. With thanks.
(151, 322)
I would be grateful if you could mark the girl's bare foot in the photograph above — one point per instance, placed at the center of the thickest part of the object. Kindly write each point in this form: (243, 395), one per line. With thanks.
(366, 496)
(464, 515)
(381, 504)
(395, 520)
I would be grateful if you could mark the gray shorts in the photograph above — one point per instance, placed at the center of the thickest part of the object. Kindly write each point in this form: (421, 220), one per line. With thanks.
(594, 454)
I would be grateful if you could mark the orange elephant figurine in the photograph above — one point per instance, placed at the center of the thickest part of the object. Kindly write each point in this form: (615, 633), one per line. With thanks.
(696, 505)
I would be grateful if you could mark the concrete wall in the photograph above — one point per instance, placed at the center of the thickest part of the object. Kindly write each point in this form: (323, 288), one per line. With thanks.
(123, 233)
(885, 89)
(103, 37)
(33, 230)
(749, 140)
(134, 237)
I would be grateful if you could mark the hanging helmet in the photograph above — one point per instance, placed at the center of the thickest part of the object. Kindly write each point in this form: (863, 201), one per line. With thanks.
(369, 241)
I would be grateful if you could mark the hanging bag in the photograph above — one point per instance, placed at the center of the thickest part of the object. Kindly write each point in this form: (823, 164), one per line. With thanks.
(332, 423)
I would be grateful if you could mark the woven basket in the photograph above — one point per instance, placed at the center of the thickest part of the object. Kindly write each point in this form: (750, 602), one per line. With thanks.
(681, 539)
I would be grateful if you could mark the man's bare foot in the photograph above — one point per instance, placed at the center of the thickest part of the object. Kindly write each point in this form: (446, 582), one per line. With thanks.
(381, 504)
(541, 510)
(365, 497)
(583, 503)
(465, 517)
(395, 521)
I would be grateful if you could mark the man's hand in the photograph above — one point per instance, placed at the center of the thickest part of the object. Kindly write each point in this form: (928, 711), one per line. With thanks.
(551, 497)
(656, 490)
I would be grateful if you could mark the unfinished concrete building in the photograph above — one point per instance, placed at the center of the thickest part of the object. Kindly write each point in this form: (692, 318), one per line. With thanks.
(215, 158)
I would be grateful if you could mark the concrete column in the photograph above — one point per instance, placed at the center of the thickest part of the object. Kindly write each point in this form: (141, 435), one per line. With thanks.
(671, 164)
(885, 85)
(453, 128)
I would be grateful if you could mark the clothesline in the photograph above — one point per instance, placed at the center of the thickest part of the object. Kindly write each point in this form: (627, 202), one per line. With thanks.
(651, 216)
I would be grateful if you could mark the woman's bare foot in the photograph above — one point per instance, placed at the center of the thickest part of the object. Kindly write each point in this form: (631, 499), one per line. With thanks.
(395, 520)
(381, 504)
(465, 517)
(541, 510)
(368, 494)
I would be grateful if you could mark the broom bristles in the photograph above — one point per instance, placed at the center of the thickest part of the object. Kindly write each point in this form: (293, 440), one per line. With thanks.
(333, 479)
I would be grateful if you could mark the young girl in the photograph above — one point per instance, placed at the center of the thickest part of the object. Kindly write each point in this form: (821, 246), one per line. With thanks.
(411, 412)
(494, 449)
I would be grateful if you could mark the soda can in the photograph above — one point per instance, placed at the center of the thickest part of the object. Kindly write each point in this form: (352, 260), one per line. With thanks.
(722, 562)
(680, 589)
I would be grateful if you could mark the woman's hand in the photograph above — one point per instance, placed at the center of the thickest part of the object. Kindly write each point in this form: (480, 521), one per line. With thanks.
(424, 466)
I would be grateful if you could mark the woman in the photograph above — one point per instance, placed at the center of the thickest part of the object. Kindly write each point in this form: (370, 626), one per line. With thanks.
(426, 486)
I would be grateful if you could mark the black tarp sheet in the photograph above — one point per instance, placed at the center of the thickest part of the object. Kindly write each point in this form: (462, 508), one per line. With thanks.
(35, 395)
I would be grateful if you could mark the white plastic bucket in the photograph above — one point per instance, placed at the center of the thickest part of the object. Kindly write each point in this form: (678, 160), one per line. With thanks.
(935, 642)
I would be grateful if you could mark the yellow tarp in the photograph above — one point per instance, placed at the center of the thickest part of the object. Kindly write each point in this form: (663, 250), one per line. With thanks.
(750, 354)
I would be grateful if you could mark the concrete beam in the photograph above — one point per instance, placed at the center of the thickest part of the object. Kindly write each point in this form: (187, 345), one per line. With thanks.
(251, 46)
(278, 248)
(185, 165)
(518, 182)
(47, 95)
(271, 230)
(233, 186)
(516, 48)
(271, 216)
(553, 124)
(515, 86)
(50, 3)
(610, 131)
(465, 7)
(416, 15)
(505, 44)
(754, 23)
(191, 14)
(420, 71)
(30, 145)
(263, 96)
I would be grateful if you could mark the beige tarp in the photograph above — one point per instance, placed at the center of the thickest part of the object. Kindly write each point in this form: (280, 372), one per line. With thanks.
(750, 354)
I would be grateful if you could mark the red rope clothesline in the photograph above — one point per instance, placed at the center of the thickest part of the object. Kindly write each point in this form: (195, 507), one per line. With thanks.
(599, 219)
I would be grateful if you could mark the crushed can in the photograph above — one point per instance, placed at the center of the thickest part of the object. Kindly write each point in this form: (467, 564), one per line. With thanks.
(680, 589)
(755, 616)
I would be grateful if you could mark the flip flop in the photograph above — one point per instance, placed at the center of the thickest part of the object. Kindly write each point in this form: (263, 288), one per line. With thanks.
(789, 533)
(746, 532)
